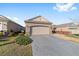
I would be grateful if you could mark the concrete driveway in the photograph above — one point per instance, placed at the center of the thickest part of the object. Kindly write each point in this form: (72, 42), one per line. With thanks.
(51, 46)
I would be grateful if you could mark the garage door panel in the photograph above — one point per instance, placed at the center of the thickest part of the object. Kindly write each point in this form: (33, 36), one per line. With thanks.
(40, 30)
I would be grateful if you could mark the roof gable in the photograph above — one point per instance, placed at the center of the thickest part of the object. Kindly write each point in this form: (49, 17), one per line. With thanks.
(38, 19)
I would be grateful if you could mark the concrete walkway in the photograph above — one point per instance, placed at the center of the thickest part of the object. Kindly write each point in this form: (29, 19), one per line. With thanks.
(51, 46)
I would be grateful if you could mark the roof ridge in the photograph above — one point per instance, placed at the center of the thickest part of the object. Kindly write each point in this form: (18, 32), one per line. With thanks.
(34, 17)
(7, 19)
(38, 17)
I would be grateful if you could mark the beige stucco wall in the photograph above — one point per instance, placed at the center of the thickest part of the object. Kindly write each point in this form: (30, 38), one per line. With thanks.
(62, 29)
(29, 25)
(72, 31)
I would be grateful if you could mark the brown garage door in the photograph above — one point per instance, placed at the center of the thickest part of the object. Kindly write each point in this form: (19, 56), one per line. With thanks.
(40, 30)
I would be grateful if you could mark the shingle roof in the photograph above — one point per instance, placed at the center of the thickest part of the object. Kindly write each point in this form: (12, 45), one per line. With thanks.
(3, 18)
(33, 18)
(66, 25)
(38, 20)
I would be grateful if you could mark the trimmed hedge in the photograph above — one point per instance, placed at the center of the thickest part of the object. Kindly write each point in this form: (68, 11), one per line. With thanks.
(23, 40)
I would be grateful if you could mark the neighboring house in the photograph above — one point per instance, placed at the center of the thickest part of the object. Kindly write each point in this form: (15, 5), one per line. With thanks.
(6, 25)
(68, 27)
(38, 26)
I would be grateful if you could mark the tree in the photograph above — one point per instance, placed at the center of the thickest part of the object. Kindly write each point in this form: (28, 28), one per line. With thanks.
(54, 30)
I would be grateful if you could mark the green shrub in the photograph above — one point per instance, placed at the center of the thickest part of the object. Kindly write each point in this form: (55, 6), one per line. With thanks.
(23, 40)
(21, 34)
(26, 34)
(1, 34)
(76, 34)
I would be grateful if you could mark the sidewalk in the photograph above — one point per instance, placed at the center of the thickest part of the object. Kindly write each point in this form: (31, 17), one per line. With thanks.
(66, 37)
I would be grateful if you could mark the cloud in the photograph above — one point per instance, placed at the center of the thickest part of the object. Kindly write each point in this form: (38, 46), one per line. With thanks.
(65, 7)
(73, 8)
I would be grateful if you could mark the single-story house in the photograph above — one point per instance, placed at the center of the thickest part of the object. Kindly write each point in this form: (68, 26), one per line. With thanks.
(38, 26)
(7, 25)
(70, 28)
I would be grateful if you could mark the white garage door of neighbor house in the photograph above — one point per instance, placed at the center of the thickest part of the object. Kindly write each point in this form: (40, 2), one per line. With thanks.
(40, 30)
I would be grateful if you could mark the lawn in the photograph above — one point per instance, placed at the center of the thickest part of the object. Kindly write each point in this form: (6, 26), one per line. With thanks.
(15, 50)
(73, 35)
(7, 40)
(10, 48)
(70, 37)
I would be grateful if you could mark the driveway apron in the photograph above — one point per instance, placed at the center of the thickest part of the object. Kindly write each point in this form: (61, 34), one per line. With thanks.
(45, 45)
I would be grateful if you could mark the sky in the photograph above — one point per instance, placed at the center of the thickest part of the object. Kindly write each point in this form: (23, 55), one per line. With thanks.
(57, 13)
